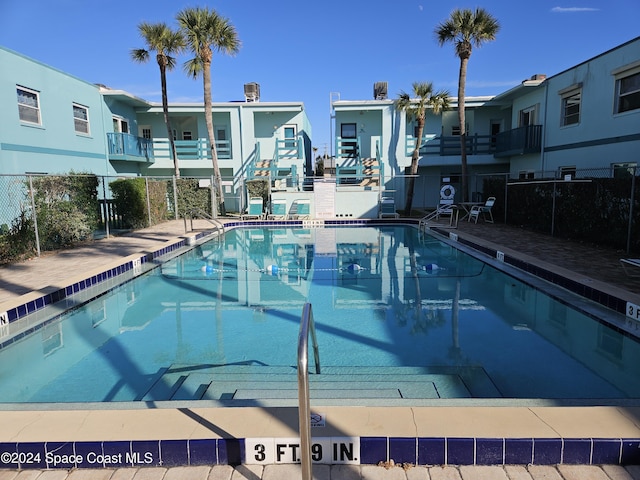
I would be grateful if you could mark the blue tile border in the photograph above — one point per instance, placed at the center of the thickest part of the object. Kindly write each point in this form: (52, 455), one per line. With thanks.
(373, 450)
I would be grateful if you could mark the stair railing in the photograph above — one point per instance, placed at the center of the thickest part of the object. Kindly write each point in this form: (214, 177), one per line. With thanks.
(304, 409)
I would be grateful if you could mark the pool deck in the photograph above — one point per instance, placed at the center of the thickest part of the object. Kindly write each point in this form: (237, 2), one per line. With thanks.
(548, 423)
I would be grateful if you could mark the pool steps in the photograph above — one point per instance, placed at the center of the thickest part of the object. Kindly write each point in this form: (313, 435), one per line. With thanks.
(259, 383)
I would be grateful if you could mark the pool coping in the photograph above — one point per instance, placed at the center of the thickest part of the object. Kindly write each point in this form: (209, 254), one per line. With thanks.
(200, 433)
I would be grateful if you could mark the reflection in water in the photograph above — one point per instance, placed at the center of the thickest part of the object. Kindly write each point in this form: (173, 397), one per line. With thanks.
(383, 297)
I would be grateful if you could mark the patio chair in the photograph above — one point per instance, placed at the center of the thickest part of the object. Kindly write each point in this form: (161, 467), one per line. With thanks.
(300, 209)
(387, 208)
(631, 266)
(278, 209)
(485, 210)
(255, 209)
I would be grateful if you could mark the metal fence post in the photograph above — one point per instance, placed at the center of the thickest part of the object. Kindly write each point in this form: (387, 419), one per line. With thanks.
(633, 196)
(103, 210)
(146, 186)
(35, 215)
(175, 197)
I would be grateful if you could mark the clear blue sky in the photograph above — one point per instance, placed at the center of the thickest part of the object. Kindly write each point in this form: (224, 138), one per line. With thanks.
(304, 50)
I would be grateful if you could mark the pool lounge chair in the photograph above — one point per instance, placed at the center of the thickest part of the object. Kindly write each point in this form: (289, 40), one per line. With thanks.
(485, 210)
(300, 209)
(255, 209)
(387, 208)
(278, 209)
(631, 266)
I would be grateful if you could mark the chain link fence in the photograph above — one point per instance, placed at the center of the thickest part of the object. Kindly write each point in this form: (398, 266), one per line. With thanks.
(49, 212)
(40, 212)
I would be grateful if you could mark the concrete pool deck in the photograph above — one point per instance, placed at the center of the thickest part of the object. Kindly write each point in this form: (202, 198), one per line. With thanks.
(550, 424)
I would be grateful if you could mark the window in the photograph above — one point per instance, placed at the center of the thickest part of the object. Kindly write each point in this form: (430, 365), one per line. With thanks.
(28, 105)
(120, 125)
(526, 175)
(145, 132)
(628, 93)
(348, 131)
(571, 108)
(527, 116)
(81, 119)
(187, 135)
(290, 136)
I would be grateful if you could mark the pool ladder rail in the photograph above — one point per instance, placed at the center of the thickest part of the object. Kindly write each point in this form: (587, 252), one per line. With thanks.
(443, 210)
(307, 327)
(199, 213)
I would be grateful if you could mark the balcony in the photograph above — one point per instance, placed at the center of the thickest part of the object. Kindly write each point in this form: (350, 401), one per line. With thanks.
(127, 147)
(191, 149)
(517, 141)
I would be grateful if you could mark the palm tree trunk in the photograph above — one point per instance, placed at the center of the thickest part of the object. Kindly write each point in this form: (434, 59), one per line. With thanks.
(462, 80)
(415, 157)
(208, 113)
(165, 112)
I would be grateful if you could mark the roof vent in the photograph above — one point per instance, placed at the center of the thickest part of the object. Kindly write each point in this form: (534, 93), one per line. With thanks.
(380, 90)
(252, 92)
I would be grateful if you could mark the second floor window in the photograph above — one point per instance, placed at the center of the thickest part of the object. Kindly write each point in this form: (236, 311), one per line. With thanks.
(81, 119)
(571, 108)
(628, 93)
(28, 105)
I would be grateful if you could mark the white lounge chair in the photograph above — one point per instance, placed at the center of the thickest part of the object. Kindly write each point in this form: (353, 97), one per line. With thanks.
(631, 266)
(300, 209)
(485, 210)
(278, 209)
(255, 211)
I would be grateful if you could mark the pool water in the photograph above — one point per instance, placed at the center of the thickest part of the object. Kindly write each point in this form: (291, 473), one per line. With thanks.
(399, 314)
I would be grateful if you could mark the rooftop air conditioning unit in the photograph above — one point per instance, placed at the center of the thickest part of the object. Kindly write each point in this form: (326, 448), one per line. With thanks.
(380, 90)
(252, 92)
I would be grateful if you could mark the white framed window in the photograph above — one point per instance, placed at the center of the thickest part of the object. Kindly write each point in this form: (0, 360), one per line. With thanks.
(628, 92)
(526, 175)
(29, 105)
(144, 131)
(120, 125)
(527, 116)
(571, 102)
(187, 135)
(81, 119)
(290, 132)
(568, 172)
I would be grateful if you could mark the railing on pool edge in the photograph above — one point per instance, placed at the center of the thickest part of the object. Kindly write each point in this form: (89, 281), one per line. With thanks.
(304, 409)
(198, 213)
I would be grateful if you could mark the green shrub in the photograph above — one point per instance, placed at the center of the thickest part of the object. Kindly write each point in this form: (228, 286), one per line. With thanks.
(130, 199)
(19, 241)
(191, 198)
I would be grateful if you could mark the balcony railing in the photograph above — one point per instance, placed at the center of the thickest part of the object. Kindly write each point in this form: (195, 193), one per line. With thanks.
(519, 141)
(512, 142)
(191, 149)
(124, 146)
(289, 148)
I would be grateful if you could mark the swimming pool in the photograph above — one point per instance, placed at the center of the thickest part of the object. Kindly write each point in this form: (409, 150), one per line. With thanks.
(400, 316)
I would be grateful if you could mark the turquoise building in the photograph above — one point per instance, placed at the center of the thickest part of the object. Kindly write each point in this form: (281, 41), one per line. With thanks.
(568, 124)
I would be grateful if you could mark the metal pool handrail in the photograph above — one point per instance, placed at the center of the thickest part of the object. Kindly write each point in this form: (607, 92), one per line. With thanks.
(304, 409)
(201, 213)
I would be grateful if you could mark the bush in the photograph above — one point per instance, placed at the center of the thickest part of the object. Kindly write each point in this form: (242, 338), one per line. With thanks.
(67, 209)
(191, 198)
(129, 196)
(19, 241)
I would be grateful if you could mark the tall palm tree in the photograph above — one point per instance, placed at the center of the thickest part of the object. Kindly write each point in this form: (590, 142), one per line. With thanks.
(416, 108)
(466, 29)
(165, 42)
(206, 31)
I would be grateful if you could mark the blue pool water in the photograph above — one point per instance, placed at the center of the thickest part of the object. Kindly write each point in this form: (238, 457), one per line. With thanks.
(399, 315)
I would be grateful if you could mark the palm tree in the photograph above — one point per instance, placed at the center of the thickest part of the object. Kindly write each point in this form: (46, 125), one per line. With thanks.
(416, 108)
(166, 43)
(207, 31)
(466, 29)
